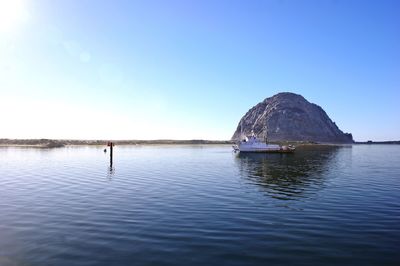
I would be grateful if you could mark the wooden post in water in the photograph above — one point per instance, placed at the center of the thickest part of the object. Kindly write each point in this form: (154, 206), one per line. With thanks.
(111, 144)
(111, 154)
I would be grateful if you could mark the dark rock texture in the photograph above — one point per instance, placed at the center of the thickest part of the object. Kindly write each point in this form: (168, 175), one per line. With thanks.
(289, 117)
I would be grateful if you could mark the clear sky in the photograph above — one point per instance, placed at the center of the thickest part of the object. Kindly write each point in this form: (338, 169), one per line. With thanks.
(89, 69)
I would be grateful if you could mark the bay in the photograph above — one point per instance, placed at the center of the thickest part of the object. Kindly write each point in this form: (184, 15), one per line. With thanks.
(200, 205)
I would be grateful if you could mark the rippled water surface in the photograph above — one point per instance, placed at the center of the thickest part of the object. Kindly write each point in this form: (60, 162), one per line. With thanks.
(200, 205)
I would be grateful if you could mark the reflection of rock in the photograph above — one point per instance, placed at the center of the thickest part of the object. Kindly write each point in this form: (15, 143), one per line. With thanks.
(288, 176)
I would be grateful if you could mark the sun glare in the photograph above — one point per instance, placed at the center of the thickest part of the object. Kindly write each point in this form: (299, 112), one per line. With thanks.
(12, 13)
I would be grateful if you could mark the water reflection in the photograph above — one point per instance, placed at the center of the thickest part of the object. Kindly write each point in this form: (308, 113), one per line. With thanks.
(288, 176)
(110, 172)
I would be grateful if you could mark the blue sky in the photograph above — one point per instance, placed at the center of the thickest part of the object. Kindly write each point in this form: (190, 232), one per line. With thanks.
(192, 69)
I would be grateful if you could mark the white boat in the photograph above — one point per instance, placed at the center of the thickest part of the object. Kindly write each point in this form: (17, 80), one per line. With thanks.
(253, 144)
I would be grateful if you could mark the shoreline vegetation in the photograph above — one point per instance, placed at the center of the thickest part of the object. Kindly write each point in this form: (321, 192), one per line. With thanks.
(57, 143)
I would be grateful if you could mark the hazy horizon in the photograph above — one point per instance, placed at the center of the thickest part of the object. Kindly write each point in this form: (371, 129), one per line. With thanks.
(191, 69)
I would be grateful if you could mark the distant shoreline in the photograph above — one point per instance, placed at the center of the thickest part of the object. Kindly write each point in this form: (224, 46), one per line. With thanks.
(378, 142)
(56, 143)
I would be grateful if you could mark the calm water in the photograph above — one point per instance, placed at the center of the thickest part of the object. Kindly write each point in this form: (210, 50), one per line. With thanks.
(200, 205)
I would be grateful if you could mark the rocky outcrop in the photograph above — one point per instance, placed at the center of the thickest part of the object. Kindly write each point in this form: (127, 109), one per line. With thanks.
(289, 117)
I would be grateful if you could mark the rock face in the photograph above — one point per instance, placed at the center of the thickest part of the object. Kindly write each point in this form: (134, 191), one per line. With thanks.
(289, 117)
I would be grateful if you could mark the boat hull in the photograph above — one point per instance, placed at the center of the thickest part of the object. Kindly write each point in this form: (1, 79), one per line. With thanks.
(263, 149)
(266, 151)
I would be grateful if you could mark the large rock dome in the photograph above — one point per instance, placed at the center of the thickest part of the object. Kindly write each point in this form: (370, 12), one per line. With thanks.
(289, 117)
